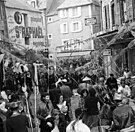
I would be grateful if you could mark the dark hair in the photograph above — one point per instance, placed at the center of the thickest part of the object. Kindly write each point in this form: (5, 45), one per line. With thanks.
(92, 92)
(83, 91)
(14, 97)
(112, 75)
(78, 114)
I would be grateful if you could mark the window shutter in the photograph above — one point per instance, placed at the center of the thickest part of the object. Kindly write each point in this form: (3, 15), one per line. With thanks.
(108, 17)
(61, 13)
(79, 12)
(117, 12)
(70, 12)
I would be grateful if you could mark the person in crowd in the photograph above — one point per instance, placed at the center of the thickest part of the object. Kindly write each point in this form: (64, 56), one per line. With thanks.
(49, 124)
(124, 89)
(43, 80)
(126, 72)
(51, 78)
(123, 115)
(17, 122)
(56, 115)
(94, 78)
(112, 82)
(77, 125)
(66, 91)
(69, 80)
(63, 107)
(102, 92)
(105, 117)
(61, 103)
(3, 109)
(84, 93)
(45, 108)
(90, 117)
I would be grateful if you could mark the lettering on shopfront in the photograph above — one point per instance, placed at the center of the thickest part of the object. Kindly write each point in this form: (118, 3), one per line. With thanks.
(30, 32)
(33, 19)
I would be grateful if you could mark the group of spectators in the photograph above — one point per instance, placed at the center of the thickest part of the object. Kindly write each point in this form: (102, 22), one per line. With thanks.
(102, 105)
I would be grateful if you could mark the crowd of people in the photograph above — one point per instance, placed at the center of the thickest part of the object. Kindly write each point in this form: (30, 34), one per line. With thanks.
(104, 104)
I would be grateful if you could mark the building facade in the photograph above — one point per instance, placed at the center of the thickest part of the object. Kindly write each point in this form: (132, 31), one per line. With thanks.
(3, 20)
(69, 25)
(25, 24)
(117, 24)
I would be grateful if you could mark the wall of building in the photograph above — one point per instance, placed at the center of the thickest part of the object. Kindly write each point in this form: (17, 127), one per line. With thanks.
(20, 30)
(85, 31)
(54, 28)
(3, 22)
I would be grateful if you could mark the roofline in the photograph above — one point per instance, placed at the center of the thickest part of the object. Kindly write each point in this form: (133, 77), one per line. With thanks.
(23, 9)
(52, 14)
(59, 8)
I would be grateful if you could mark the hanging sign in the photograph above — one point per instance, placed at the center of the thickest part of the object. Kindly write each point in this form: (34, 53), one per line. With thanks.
(91, 21)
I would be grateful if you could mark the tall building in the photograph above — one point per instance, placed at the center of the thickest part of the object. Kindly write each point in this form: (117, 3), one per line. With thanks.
(3, 20)
(25, 24)
(117, 35)
(69, 24)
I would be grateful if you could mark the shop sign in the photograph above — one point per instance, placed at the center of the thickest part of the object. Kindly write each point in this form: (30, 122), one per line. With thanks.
(91, 21)
(30, 32)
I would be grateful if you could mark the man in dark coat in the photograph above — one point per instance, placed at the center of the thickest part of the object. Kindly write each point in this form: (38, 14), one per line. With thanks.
(112, 82)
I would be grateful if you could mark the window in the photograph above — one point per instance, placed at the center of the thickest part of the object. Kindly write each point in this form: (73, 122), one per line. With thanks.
(49, 36)
(107, 17)
(75, 12)
(113, 13)
(63, 13)
(33, 4)
(76, 26)
(64, 28)
(49, 19)
(122, 10)
(27, 42)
